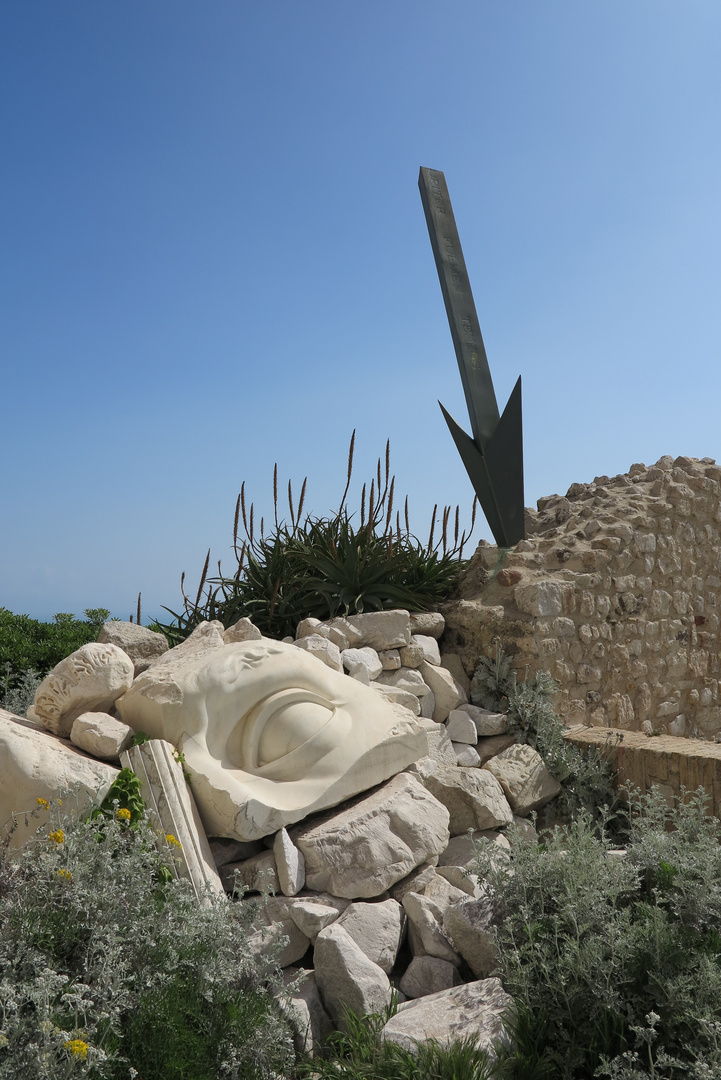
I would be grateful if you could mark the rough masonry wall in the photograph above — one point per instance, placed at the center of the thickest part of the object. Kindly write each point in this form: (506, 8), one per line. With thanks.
(617, 592)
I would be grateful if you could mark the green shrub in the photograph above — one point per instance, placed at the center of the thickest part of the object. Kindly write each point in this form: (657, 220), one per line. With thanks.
(616, 960)
(28, 645)
(587, 779)
(326, 566)
(110, 969)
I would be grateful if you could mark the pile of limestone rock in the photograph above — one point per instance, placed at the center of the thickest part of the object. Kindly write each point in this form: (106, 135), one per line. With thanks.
(372, 896)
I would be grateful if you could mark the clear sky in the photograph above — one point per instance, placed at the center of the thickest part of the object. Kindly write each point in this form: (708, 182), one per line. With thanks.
(213, 257)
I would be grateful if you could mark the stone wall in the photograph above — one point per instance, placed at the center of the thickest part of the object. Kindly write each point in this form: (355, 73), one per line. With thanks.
(616, 592)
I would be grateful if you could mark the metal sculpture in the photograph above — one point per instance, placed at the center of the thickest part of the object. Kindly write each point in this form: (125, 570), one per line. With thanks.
(494, 456)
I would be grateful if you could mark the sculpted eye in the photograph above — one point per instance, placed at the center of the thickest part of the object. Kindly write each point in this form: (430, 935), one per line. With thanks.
(289, 726)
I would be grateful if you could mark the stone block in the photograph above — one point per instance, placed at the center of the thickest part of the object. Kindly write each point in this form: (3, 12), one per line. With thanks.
(101, 735)
(466, 756)
(426, 934)
(375, 841)
(290, 864)
(472, 1010)
(36, 765)
(142, 645)
(431, 623)
(412, 655)
(428, 975)
(406, 679)
(380, 629)
(89, 680)
(526, 782)
(461, 728)
(474, 799)
(447, 691)
(390, 659)
(345, 976)
(365, 657)
(323, 649)
(242, 630)
(469, 925)
(429, 647)
(308, 1019)
(378, 929)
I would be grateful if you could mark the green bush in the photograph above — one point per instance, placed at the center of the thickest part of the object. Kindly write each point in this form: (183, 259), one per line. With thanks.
(30, 645)
(326, 566)
(614, 961)
(110, 969)
(587, 779)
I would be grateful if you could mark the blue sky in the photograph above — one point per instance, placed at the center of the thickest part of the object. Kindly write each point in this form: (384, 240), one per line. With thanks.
(213, 257)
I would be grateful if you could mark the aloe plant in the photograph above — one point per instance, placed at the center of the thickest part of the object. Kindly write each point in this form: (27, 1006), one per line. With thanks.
(327, 566)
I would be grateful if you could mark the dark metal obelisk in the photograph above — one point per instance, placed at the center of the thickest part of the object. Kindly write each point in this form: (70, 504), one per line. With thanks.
(494, 456)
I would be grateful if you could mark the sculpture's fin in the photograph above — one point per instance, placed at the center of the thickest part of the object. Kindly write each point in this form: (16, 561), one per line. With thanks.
(475, 465)
(504, 464)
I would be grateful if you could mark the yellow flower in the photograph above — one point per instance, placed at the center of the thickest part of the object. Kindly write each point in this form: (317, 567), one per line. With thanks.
(123, 814)
(4, 1041)
(64, 874)
(171, 839)
(60, 802)
(57, 837)
(44, 802)
(78, 1048)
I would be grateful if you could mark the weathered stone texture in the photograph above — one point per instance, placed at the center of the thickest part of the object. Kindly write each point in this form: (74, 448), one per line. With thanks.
(616, 591)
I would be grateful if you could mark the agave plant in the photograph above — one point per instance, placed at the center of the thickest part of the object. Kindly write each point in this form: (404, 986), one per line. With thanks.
(326, 566)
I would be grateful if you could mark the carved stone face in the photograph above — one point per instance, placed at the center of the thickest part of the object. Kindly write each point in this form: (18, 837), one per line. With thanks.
(269, 732)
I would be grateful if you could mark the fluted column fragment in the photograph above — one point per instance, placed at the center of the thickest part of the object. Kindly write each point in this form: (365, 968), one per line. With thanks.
(172, 809)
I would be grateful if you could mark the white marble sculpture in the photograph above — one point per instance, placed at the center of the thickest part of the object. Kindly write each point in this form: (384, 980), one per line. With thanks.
(269, 733)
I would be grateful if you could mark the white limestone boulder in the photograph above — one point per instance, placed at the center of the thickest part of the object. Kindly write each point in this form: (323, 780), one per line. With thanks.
(521, 772)
(35, 765)
(390, 659)
(461, 728)
(323, 649)
(453, 663)
(442, 892)
(486, 748)
(461, 850)
(290, 864)
(272, 921)
(398, 697)
(225, 850)
(242, 630)
(475, 1009)
(309, 626)
(142, 645)
(366, 658)
(467, 757)
(425, 929)
(101, 735)
(447, 691)
(416, 881)
(308, 1019)
(431, 623)
(380, 629)
(89, 680)
(473, 797)
(311, 917)
(378, 929)
(412, 656)
(486, 722)
(428, 975)
(345, 976)
(428, 705)
(440, 751)
(258, 874)
(469, 925)
(375, 841)
(405, 679)
(428, 646)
